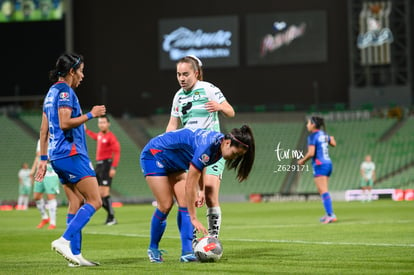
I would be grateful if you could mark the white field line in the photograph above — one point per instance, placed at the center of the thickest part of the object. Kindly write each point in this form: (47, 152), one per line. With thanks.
(265, 241)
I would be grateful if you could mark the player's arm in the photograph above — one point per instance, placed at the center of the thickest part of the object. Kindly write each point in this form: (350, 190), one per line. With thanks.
(66, 122)
(91, 134)
(116, 156)
(332, 141)
(43, 142)
(309, 155)
(173, 124)
(224, 107)
(35, 163)
(192, 187)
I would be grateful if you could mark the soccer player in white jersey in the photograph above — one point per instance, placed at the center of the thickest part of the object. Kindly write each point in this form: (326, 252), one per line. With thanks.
(49, 186)
(367, 178)
(196, 105)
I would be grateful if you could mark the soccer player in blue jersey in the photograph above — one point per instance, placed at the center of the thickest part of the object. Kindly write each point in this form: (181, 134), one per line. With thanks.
(165, 161)
(318, 143)
(62, 140)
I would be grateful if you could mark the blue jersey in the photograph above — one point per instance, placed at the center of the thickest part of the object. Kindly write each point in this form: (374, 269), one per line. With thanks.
(67, 143)
(320, 140)
(177, 149)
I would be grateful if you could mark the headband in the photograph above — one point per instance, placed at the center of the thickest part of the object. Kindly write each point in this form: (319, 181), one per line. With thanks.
(76, 63)
(235, 139)
(196, 59)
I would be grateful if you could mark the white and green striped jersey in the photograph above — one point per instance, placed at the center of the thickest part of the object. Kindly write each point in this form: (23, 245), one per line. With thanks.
(189, 106)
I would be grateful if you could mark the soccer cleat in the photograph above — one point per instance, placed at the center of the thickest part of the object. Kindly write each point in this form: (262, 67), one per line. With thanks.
(43, 223)
(328, 219)
(111, 222)
(155, 255)
(51, 227)
(188, 258)
(83, 262)
(62, 247)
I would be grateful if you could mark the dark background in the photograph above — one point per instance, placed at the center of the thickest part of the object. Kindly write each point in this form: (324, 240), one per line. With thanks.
(119, 40)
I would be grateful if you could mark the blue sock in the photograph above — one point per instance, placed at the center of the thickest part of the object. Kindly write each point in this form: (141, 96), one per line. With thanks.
(327, 203)
(158, 225)
(76, 242)
(186, 230)
(81, 218)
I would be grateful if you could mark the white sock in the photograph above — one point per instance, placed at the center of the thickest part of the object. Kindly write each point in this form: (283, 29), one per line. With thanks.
(214, 220)
(40, 204)
(20, 200)
(52, 211)
(26, 202)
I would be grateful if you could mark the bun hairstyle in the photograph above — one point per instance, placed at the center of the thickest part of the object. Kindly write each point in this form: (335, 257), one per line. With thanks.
(64, 64)
(195, 63)
(243, 138)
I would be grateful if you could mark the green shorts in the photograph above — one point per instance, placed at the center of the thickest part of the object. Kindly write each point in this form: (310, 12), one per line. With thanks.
(217, 168)
(366, 183)
(24, 190)
(49, 185)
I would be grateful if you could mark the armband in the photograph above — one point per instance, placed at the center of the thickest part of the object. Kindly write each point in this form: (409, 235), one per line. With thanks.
(89, 115)
(113, 167)
(43, 157)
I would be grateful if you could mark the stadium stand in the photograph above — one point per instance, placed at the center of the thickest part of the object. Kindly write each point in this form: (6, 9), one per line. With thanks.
(355, 138)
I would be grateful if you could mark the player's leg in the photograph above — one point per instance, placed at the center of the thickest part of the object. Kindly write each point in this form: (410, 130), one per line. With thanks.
(76, 171)
(163, 194)
(177, 181)
(212, 180)
(51, 185)
(322, 185)
(38, 191)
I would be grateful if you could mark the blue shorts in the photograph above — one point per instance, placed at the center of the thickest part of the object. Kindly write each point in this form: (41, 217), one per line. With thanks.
(151, 167)
(322, 170)
(73, 169)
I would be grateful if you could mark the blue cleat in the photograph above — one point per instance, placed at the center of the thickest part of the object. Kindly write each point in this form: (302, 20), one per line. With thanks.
(188, 258)
(155, 255)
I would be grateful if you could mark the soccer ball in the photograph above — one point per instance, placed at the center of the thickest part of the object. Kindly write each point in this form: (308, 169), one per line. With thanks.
(208, 249)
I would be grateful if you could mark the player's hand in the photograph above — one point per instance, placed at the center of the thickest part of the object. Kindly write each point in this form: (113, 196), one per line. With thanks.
(112, 172)
(41, 171)
(212, 106)
(201, 199)
(98, 110)
(199, 227)
(301, 162)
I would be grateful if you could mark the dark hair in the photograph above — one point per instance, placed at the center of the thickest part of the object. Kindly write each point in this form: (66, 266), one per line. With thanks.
(319, 122)
(64, 64)
(106, 117)
(194, 63)
(242, 137)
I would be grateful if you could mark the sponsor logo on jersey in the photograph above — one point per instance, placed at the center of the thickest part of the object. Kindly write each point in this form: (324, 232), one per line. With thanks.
(64, 95)
(204, 158)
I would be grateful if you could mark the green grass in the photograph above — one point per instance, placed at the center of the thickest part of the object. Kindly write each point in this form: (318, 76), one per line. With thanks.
(263, 238)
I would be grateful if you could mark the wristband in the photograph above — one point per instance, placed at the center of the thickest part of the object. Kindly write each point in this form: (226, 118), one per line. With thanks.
(43, 157)
(89, 115)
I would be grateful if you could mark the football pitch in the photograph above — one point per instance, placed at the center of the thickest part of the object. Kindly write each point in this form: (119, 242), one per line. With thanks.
(257, 238)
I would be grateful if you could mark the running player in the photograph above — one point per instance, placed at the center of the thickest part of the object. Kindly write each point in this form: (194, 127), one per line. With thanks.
(50, 187)
(318, 143)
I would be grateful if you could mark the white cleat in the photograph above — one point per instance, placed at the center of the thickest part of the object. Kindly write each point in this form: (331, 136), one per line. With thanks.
(62, 247)
(83, 262)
